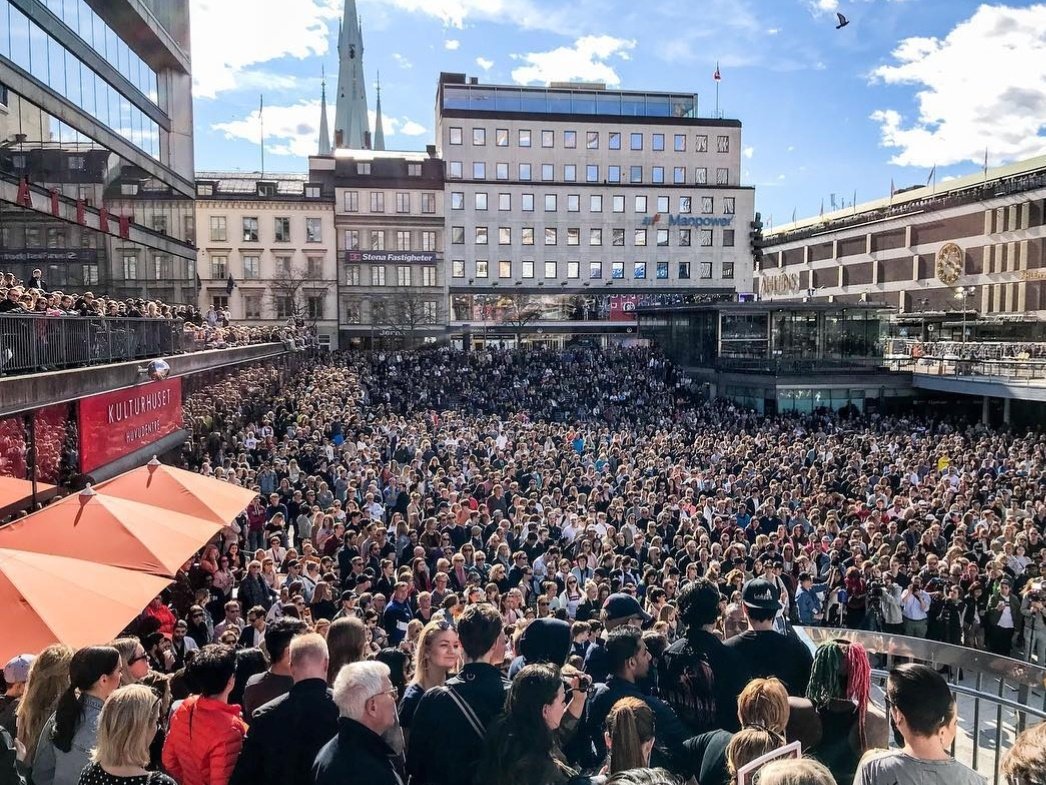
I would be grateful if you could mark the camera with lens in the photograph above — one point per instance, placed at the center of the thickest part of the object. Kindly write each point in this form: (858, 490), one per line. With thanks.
(875, 590)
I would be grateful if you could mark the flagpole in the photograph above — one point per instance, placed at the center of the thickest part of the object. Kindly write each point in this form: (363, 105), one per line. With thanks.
(261, 125)
(855, 202)
(717, 78)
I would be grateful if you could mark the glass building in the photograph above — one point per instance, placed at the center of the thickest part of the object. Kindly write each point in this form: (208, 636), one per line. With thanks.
(96, 158)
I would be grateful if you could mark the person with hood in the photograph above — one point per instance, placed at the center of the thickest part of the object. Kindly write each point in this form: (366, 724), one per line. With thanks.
(544, 640)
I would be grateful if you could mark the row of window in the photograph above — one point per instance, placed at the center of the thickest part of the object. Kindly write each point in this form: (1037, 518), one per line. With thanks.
(402, 275)
(413, 169)
(614, 173)
(283, 304)
(596, 236)
(427, 312)
(351, 202)
(283, 267)
(641, 203)
(402, 240)
(684, 270)
(614, 140)
(281, 230)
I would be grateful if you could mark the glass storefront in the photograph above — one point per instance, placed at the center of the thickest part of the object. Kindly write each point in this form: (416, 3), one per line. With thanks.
(520, 309)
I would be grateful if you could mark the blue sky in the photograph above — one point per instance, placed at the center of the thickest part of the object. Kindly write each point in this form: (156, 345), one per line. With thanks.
(907, 85)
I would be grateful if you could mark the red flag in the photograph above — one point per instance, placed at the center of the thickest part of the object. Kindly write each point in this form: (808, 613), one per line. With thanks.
(716, 75)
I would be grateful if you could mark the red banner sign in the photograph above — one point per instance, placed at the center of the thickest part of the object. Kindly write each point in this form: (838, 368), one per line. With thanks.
(116, 424)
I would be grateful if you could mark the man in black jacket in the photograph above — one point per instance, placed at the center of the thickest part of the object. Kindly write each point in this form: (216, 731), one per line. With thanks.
(287, 733)
(451, 722)
(358, 755)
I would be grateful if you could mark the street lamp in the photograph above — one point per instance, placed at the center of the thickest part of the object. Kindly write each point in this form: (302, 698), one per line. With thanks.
(962, 293)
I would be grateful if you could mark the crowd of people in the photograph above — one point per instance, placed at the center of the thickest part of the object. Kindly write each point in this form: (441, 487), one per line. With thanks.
(536, 566)
(968, 350)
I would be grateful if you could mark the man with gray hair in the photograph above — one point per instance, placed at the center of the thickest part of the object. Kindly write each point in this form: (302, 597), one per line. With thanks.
(366, 701)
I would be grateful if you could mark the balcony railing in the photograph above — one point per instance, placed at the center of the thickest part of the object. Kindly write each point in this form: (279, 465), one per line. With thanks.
(30, 343)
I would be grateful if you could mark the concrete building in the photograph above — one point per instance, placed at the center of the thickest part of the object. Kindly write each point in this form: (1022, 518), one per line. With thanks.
(388, 214)
(973, 247)
(267, 249)
(569, 206)
(96, 150)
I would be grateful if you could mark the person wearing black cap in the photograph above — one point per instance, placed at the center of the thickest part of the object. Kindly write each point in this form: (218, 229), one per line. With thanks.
(544, 640)
(762, 651)
(619, 610)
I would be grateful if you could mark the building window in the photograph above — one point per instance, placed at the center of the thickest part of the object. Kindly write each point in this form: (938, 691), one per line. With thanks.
(219, 267)
(570, 139)
(413, 170)
(352, 239)
(481, 235)
(595, 269)
(314, 306)
(570, 173)
(190, 229)
(635, 174)
(679, 143)
(662, 238)
(701, 175)
(595, 203)
(353, 313)
(126, 189)
(362, 168)
(479, 170)
(457, 268)
(722, 144)
(573, 269)
(524, 137)
(617, 237)
(635, 141)
(402, 201)
(377, 239)
(284, 306)
(639, 270)
(640, 204)
(701, 143)
(454, 137)
(251, 267)
(202, 189)
(479, 136)
(617, 270)
(283, 267)
(528, 269)
(501, 137)
(704, 238)
(313, 230)
(662, 204)
(504, 235)
(614, 140)
(130, 267)
(352, 201)
(89, 274)
(430, 311)
(728, 205)
(524, 171)
(219, 232)
(657, 143)
(159, 223)
(705, 269)
(614, 174)
(550, 203)
(282, 230)
(684, 271)
(352, 275)
(403, 275)
(428, 241)
(550, 270)
(685, 204)
(617, 204)
(482, 268)
(527, 235)
(252, 306)
(428, 202)
(548, 138)
(402, 240)
(722, 176)
(504, 269)
(728, 269)
(457, 200)
(661, 273)
(220, 302)
(377, 275)
(162, 267)
(548, 172)
(573, 203)
(684, 238)
(679, 175)
(707, 205)
(639, 238)
(657, 174)
(595, 236)
(728, 238)
(454, 170)
(377, 202)
(551, 235)
(481, 200)
(592, 140)
(457, 235)
(501, 171)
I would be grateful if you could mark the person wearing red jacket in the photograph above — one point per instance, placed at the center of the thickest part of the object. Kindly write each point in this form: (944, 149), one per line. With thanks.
(206, 732)
(163, 615)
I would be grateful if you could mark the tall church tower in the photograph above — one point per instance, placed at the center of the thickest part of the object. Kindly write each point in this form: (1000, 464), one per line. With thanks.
(350, 114)
(325, 137)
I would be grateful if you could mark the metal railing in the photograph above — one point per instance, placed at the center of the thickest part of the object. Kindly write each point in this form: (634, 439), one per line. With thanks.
(790, 366)
(1009, 371)
(31, 343)
(996, 697)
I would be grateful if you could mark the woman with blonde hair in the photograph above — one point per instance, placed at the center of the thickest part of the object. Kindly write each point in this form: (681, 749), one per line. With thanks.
(134, 660)
(436, 655)
(629, 736)
(747, 745)
(48, 679)
(795, 771)
(126, 728)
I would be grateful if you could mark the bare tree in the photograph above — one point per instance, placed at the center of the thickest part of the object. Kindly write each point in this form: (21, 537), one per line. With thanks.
(405, 315)
(522, 310)
(290, 291)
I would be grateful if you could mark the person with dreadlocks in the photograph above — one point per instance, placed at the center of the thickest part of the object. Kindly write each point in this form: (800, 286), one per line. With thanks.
(835, 722)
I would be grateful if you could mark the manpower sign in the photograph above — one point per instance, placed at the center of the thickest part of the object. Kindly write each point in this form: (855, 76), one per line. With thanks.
(116, 424)
(686, 220)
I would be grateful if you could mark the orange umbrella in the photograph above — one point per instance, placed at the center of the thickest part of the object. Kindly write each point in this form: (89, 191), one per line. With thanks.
(106, 530)
(53, 599)
(180, 490)
(16, 494)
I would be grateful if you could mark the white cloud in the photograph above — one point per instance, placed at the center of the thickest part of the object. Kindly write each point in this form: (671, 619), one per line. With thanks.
(411, 128)
(402, 61)
(585, 61)
(748, 152)
(230, 36)
(826, 6)
(484, 63)
(995, 100)
(451, 44)
(773, 30)
(525, 14)
(791, 148)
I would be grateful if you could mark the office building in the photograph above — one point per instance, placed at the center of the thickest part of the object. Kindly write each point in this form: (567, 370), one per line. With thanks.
(96, 147)
(569, 206)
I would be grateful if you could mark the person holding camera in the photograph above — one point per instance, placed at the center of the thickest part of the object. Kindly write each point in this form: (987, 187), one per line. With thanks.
(1034, 613)
(915, 608)
(1004, 619)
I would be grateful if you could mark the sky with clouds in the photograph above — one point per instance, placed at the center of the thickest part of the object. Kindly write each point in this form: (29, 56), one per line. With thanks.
(906, 86)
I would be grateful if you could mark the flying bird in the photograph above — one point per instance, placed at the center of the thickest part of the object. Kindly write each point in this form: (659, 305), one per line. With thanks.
(843, 21)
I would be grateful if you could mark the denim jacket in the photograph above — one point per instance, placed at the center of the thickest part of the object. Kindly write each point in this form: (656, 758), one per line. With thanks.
(51, 766)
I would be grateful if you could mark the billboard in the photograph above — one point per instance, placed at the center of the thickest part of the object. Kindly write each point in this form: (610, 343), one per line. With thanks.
(116, 424)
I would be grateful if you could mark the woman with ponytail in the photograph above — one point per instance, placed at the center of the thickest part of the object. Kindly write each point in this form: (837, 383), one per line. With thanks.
(72, 731)
(629, 736)
(48, 679)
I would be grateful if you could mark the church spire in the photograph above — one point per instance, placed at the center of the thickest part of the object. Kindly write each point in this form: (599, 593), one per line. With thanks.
(350, 115)
(325, 137)
(379, 131)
